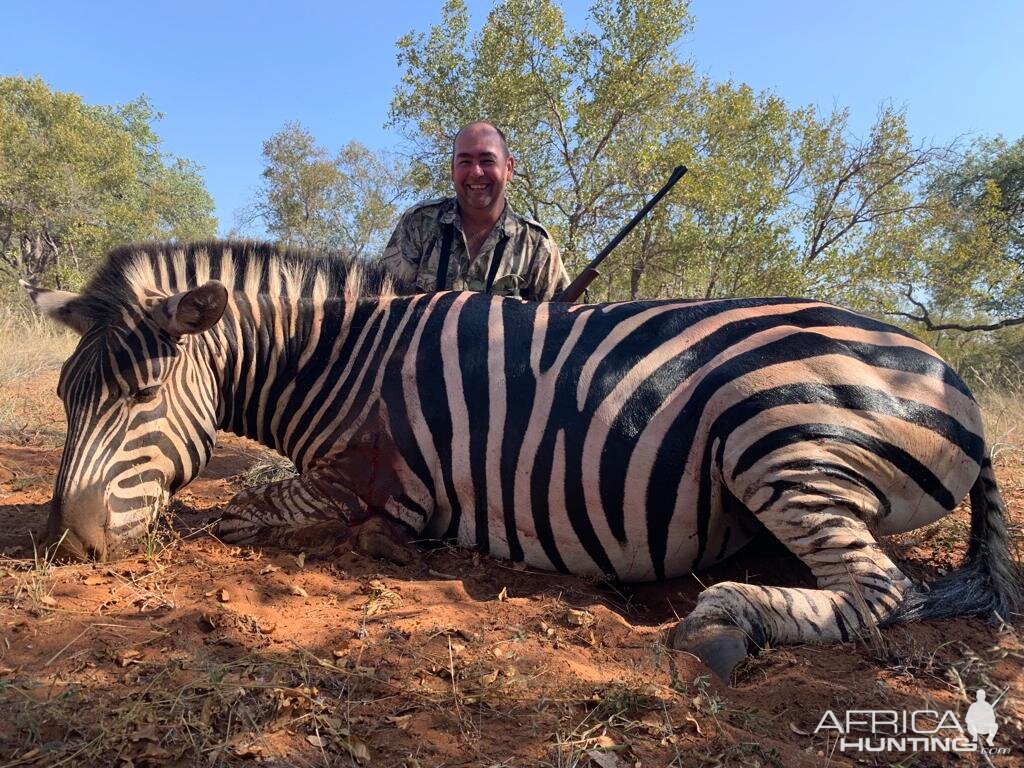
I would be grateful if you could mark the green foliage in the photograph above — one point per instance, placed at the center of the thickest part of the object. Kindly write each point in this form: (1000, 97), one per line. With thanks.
(977, 266)
(309, 199)
(778, 200)
(76, 179)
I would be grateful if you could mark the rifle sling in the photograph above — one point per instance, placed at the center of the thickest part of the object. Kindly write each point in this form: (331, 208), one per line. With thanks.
(499, 251)
(447, 234)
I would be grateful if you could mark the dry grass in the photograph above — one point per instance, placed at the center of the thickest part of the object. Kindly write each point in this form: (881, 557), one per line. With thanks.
(30, 345)
(267, 468)
(1001, 394)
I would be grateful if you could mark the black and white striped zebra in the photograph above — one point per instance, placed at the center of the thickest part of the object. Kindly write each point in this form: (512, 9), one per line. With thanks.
(635, 441)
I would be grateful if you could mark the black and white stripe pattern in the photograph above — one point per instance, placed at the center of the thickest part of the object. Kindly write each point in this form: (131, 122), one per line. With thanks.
(637, 441)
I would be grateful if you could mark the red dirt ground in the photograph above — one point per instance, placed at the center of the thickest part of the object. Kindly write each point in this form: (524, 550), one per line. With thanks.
(198, 653)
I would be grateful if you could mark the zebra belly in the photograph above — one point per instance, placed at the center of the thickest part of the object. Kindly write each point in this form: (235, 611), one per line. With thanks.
(554, 540)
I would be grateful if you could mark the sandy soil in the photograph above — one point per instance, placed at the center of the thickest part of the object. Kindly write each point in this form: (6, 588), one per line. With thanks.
(196, 653)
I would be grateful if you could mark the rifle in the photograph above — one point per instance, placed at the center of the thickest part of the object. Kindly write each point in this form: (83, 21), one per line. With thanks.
(576, 288)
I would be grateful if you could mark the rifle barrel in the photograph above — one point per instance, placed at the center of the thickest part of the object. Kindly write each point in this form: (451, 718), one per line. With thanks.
(576, 288)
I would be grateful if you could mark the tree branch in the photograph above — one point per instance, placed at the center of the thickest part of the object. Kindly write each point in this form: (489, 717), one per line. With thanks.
(925, 319)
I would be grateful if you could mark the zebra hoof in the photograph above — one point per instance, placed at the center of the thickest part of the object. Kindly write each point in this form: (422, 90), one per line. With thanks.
(378, 539)
(720, 648)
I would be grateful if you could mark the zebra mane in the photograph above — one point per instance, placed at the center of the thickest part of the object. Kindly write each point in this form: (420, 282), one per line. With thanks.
(131, 273)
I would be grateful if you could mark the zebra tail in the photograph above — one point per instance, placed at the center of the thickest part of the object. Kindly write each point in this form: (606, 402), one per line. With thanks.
(989, 582)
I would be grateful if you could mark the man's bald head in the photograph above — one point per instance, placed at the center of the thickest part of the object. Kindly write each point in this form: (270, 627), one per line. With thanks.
(479, 128)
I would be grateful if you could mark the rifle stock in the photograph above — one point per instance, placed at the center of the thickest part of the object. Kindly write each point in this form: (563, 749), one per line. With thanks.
(576, 288)
(579, 286)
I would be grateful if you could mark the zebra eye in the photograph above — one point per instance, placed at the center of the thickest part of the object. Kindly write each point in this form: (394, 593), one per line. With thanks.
(146, 394)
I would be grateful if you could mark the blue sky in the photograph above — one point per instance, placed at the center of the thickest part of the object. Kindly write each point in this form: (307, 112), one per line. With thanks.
(227, 74)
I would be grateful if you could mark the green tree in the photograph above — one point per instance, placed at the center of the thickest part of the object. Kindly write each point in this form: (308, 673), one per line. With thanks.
(308, 198)
(76, 179)
(778, 200)
(974, 278)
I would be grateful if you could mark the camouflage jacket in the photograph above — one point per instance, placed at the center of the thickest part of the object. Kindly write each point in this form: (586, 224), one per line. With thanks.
(530, 265)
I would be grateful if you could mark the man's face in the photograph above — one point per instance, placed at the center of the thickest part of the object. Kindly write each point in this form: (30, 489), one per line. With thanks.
(480, 170)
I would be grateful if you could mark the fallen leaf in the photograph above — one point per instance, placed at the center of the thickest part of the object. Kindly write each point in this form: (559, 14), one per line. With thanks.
(606, 759)
(145, 733)
(503, 595)
(579, 618)
(269, 569)
(692, 719)
(381, 597)
(127, 656)
(653, 721)
(298, 591)
(489, 678)
(153, 754)
(48, 601)
(358, 749)
(798, 731)
(246, 749)
(316, 741)
(400, 721)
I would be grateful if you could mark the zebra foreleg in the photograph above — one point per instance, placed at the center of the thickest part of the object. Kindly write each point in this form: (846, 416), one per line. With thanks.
(287, 512)
(313, 509)
(859, 586)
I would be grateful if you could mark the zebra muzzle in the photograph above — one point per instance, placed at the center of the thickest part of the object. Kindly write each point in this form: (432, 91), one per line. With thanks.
(77, 532)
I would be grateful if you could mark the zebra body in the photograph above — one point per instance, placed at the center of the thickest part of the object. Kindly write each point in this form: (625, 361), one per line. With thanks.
(547, 452)
(636, 441)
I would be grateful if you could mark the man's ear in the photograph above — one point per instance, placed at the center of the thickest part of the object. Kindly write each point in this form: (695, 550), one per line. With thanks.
(62, 306)
(192, 311)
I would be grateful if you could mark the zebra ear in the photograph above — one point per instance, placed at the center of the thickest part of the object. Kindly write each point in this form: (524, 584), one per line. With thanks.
(62, 306)
(192, 311)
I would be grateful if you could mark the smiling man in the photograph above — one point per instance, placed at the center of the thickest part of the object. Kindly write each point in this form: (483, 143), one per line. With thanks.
(475, 241)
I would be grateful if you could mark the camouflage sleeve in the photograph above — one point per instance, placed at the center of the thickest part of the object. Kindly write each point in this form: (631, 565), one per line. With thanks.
(403, 252)
(548, 276)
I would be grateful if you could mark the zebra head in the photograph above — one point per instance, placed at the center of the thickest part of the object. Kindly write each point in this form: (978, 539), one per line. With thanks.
(141, 404)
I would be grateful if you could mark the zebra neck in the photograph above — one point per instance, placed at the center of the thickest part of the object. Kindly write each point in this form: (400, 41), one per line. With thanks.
(287, 369)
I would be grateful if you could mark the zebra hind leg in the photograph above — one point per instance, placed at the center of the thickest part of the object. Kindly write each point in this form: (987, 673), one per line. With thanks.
(859, 586)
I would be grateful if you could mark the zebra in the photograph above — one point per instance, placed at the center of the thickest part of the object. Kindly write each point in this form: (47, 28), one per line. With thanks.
(631, 441)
